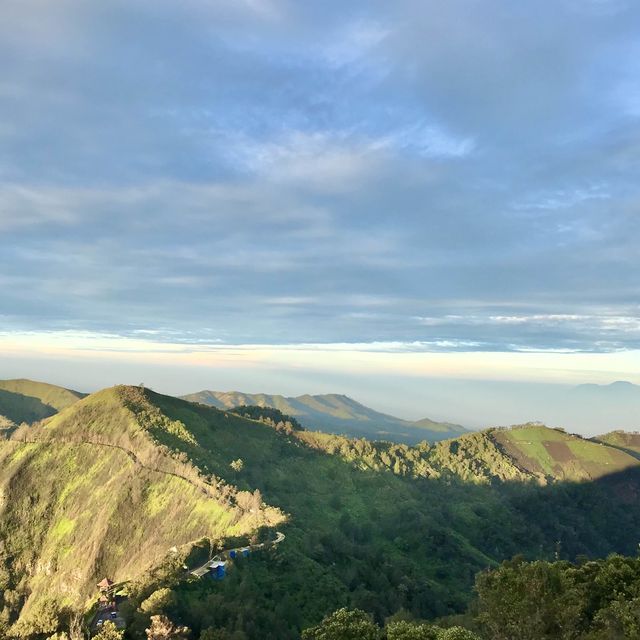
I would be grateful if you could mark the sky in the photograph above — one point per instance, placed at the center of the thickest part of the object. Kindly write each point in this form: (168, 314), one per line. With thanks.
(364, 197)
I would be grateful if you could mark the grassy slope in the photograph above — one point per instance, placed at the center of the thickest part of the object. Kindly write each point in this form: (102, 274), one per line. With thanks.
(105, 510)
(336, 413)
(554, 454)
(27, 401)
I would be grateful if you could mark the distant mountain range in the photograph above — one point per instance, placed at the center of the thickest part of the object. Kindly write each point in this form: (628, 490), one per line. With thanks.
(335, 413)
(620, 389)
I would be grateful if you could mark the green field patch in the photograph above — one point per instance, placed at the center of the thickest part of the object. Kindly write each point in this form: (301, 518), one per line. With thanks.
(22, 451)
(63, 528)
(537, 434)
(158, 499)
(588, 451)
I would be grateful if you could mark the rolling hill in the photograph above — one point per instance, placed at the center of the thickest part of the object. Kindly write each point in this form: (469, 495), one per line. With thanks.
(27, 400)
(111, 483)
(95, 491)
(557, 455)
(336, 413)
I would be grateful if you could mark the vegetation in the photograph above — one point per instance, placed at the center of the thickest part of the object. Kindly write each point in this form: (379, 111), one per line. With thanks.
(272, 417)
(109, 631)
(519, 600)
(347, 624)
(111, 484)
(28, 401)
(591, 600)
(623, 440)
(92, 492)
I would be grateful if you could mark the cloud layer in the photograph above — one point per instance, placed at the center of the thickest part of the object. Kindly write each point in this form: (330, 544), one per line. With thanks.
(436, 176)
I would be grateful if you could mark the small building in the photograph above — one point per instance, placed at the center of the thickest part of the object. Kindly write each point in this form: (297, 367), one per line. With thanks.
(105, 585)
(106, 599)
(218, 569)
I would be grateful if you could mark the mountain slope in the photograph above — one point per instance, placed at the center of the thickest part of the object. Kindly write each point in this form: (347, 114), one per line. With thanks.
(27, 400)
(335, 413)
(524, 453)
(629, 442)
(554, 454)
(94, 491)
(385, 526)
(111, 483)
(441, 427)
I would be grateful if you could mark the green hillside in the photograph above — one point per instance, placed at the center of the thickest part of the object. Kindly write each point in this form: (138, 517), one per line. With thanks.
(109, 485)
(552, 453)
(336, 413)
(27, 401)
(93, 491)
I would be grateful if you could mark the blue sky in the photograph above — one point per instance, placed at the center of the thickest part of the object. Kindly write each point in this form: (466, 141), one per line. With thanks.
(406, 176)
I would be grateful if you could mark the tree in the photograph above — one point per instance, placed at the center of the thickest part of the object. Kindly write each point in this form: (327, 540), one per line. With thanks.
(528, 601)
(237, 465)
(344, 624)
(160, 601)
(45, 619)
(73, 620)
(109, 631)
(456, 633)
(164, 629)
(405, 630)
(221, 634)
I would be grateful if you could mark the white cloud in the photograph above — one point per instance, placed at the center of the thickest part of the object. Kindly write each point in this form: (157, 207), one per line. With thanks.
(563, 198)
(356, 43)
(394, 358)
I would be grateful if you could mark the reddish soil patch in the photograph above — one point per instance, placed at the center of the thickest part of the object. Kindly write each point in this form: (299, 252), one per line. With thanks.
(559, 451)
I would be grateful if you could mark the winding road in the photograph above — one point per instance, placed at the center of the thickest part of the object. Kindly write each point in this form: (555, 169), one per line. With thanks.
(203, 570)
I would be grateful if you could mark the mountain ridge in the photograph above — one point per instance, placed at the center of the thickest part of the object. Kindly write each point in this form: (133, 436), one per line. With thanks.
(336, 413)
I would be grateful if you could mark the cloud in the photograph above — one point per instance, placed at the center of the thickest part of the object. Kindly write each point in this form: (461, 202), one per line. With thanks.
(462, 176)
(564, 199)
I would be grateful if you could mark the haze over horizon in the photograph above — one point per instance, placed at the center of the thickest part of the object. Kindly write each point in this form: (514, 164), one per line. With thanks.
(436, 216)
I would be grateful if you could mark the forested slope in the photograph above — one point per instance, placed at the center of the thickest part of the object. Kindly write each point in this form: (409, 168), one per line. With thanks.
(112, 482)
